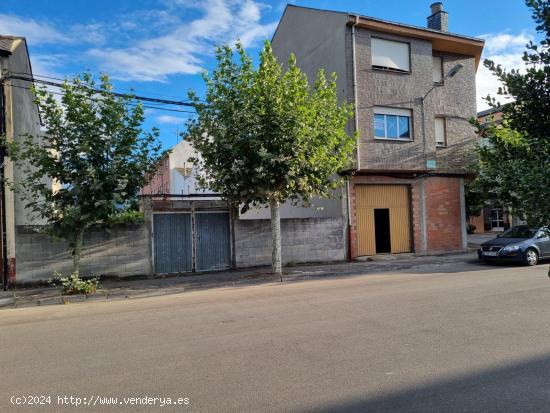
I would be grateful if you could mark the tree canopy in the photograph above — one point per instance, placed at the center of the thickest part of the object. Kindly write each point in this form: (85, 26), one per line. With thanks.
(93, 153)
(515, 156)
(265, 135)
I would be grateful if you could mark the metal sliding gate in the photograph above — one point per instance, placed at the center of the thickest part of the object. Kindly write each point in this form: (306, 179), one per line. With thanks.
(192, 241)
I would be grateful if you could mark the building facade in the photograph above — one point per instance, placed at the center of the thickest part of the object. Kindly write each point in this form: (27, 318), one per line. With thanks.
(193, 229)
(18, 116)
(413, 90)
(175, 174)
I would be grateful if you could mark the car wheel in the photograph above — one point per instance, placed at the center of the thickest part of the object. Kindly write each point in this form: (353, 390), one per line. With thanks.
(531, 257)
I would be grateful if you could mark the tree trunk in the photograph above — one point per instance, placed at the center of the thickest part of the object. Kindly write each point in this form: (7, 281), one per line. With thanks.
(77, 251)
(276, 238)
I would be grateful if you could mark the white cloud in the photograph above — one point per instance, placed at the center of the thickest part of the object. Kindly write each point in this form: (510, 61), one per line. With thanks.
(39, 33)
(48, 64)
(168, 119)
(495, 43)
(35, 32)
(505, 49)
(184, 45)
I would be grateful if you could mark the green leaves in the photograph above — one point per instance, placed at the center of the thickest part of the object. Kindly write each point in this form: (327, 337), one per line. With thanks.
(515, 159)
(93, 152)
(266, 134)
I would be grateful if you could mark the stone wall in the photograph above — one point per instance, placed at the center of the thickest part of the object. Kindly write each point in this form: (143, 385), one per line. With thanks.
(303, 240)
(123, 250)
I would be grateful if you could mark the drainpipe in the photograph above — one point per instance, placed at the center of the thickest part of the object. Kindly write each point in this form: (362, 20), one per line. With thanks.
(356, 121)
(3, 233)
(355, 103)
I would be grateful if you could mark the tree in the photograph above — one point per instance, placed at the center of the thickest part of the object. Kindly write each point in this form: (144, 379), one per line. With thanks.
(93, 150)
(515, 159)
(266, 137)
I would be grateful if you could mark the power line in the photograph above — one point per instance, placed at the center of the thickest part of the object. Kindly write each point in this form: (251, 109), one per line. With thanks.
(68, 80)
(128, 103)
(98, 91)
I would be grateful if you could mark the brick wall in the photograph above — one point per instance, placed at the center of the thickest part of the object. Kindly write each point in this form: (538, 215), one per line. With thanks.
(303, 240)
(443, 214)
(159, 182)
(120, 251)
(440, 198)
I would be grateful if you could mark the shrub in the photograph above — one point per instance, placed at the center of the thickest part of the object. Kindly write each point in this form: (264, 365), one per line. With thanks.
(73, 284)
(470, 229)
(125, 217)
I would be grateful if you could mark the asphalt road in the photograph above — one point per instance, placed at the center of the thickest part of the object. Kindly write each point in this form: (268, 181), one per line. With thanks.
(455, 338)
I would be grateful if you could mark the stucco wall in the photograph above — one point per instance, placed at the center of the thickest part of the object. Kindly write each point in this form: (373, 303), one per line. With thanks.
(317, 39)
(179, 158)
(123, 250)
(22, 119)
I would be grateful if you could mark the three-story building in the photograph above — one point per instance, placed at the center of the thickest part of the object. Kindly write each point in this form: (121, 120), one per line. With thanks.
(414, 93)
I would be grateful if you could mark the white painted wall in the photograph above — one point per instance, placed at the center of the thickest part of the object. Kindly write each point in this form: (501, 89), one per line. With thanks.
(179, 158)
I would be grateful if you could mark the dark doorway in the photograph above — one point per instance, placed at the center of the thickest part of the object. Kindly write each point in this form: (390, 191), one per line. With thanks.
(382, 230)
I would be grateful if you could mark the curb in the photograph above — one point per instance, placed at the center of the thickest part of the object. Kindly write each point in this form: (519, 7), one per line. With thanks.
(4, 302)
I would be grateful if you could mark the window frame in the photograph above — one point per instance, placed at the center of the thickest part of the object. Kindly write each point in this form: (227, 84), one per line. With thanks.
(390, 69)
(442, 81)
(386, 111)
(437, 144)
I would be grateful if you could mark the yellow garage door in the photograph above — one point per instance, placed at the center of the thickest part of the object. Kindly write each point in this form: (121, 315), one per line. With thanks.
(395, 198)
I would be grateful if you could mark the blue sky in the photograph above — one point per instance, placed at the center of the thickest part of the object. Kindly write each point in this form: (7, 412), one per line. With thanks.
(159, 47)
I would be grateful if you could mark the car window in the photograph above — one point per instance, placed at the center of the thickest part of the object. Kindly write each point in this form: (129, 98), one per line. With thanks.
(519, 232)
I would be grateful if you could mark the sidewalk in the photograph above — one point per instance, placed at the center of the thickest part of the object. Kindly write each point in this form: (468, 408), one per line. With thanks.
(137, 288)
(475, 240)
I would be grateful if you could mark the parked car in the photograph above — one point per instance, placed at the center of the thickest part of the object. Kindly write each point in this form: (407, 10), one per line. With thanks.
(518, 244)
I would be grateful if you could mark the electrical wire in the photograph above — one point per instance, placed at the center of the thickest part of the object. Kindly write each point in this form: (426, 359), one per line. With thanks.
(102, 92)
(128, 103)
(70, 81)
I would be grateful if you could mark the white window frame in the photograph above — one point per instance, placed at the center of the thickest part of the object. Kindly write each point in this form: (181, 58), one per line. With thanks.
(382, 59)
(381, 110)
(438, 143)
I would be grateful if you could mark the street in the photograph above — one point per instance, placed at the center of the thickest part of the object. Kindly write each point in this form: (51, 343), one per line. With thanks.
(448, 338)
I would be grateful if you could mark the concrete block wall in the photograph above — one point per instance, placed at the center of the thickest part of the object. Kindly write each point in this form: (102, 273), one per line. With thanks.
(123, 250)
(303, 240)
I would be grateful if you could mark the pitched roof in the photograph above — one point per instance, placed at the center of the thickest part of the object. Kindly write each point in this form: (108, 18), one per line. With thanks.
(442, 41)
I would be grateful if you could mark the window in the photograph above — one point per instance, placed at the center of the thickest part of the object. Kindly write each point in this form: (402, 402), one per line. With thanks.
(440, 132)
(437, 69)
(390, 55)
(392, 123)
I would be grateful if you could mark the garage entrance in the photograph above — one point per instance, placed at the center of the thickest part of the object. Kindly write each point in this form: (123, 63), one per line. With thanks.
(383, 219)
(191, 241)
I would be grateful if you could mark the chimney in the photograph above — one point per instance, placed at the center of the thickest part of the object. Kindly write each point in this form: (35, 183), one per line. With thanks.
(439, 20)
